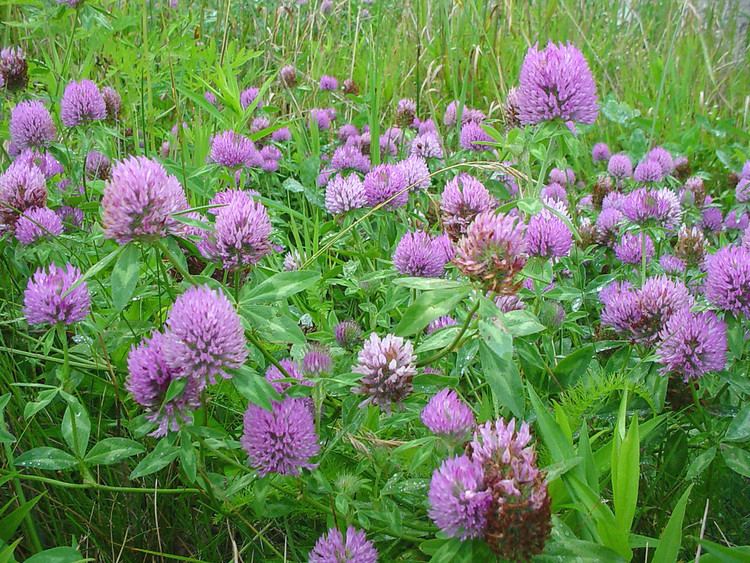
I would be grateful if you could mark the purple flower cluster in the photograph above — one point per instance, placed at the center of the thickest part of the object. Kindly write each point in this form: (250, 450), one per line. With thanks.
(386, 183)
(140, 201)
(661, 207)
(464, 197)
(630, 249)
(556, 83)
(693, 344)
(232, 150)
(31, 126)
(727, 284)
(447, 415)
(387, 367)
(13, 68)
(56, 295)
(344, 194)
(421, 255)
(22, 186)
(333, 547)
(82, 102)
(348, 334)
(494, 491)
(37, 223)
(241, 232)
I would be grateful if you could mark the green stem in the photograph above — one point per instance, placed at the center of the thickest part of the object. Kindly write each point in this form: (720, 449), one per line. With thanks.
(453, 345)
(66, 352)
(175, 262)
(28, 522)
(98, 487)
(267, 355)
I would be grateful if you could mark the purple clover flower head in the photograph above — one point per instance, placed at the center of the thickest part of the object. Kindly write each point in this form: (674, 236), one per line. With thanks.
(149, 377)
(248, 96)
(629, 249)
(112, 102)
(334, 548)
(742, 191)
(328, 83)
(474, 138)
(406, 112)
(451, 114)
(317, 360)
(347, 131)
(98, 166)
(37, 223)
(31, 126)
(416, 172)
(426, 126)
(548, 236)
(14, 72)
(348, 334)
(663, 158)
(47, 163)
(241, 234)
(509, 302)
(225, 198)
(662, 207)
(672, 265)
(22, 186)
(648, 171)
(439, 324)
(600, 153)
(608, 223)
(737, 221)
(563, 177)
(71, 217)
(140, 200)
(231, 149)
(349, 157)
(745, 173)
(50, 297)
(712, 219)
(211, 98)
(519, 521)
(426, 145)
(288, 76)
(554, 191)
(275, 377)
(493, 251)
(281, 135)
(418, 254)
(283, 440)
(464, 197)
(387, 367)
(321, 118)
(556, 83)
(642, 313)
(82, 102)
(259, 123)
(620, 166)
(384, 182)
(206, 335)
(693, 344)
(727, 284)
(447, 415)
(344, 194)
(459, 498)
(293, 261)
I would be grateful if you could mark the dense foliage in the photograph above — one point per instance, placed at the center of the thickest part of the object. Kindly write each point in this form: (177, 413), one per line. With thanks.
(342, 280)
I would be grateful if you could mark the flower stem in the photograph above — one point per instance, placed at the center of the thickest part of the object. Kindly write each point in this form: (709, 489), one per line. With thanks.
(453, 345)
(66, 352)
(267, 355)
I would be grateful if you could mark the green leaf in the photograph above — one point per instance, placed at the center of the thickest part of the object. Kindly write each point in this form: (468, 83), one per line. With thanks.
(188, 459)
(723, 554)
(280, 286)
(164, 453)
(625, 477)
(739, 429)
(671, 538)
(112, 450)
(125, 276)
(76, 427)
(572, 367)
(5, 436)
(57, 555)
(428, 283)
(553, 437)
(521, 323)
(292, 185)
(6, 552)
(427, 307)
(175, 389)
(51, 459)
(255, 388)
(273, 325)
(12, 521)
(503, 378)
(42, 400)
(700, 463)
(737, 459)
